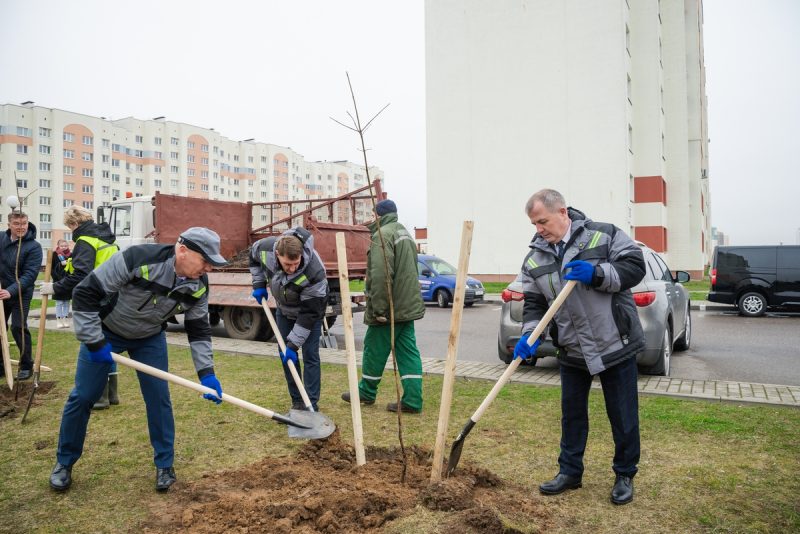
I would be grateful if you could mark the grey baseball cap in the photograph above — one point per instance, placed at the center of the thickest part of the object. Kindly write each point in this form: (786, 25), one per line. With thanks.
(205, 242)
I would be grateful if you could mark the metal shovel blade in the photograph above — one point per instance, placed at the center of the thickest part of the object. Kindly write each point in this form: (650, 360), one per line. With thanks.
(319, 425)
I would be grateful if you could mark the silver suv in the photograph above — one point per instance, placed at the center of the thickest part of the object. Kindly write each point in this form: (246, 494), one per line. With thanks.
(664, 311)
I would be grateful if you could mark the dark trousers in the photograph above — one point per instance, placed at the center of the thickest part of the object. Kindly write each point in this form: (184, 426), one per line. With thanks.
(22, 336)
(622, 406)
(90, 380)
(310, 374)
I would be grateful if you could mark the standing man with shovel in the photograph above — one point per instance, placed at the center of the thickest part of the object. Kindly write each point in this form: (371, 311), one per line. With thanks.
(123, 305)
(597, 330)
(290, 267)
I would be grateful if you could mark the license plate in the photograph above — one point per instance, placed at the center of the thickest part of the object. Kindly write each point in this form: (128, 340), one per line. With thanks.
(478, 292)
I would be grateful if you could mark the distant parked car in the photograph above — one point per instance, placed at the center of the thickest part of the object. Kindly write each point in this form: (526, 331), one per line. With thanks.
(755, 278)
(437, 282)
(661, 301)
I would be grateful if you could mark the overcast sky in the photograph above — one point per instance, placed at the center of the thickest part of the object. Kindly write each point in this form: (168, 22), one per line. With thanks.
(275, 71)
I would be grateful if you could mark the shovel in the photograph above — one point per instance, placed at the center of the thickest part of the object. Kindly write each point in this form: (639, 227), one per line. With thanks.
(319, 426)
(37, 361)
(175, 379)
(458, 444)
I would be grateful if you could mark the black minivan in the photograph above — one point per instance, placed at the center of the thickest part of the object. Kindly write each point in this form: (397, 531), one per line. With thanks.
(755, 278)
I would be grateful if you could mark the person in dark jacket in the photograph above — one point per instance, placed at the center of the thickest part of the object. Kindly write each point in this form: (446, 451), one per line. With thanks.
(290, 267)
(61, 254)
(94, 245)
(20, 259)
(124, 305)
(399, 264)
(597, 330)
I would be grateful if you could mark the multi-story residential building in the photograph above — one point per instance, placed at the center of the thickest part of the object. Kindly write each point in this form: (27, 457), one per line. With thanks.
(603, 100)
(62, 158)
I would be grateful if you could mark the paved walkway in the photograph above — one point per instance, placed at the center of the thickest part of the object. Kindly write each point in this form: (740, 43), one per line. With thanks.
(716, 390)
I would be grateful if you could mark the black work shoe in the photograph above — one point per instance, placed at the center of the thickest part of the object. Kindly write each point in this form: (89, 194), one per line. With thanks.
(24, 374)
(392, 407)
(165, 477)
(622, 492)
(298, 406)
(61, 477)
(346, 398)
(560, 484)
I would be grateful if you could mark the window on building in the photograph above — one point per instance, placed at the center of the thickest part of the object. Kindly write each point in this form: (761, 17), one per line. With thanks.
(204, 187)
(88, 156)
(106, 143)
(106, 175)
(44, 217)
(190, 158)
(157, 169)
(66, 203)
(45, 132)
(45, 235)
(190, 186)
(140, 182)
(88, 204)
(190, 172)
(44, 166)
(22, 149)
(115, 178)
(204, 174)
(190, 144)
(115, 163)
(157, 183)
(69, 187)
(69, 154)
(68, 137)
(173, 183)
(25, 132)
(156, 140)
(87, 173)
(87, 140)
(173, 168)
(139, 167)
(87, 189)
(44, 183)
(105, 190)
(173, 155)
(69, 170)
(44, 149)
(158, 155)
(139, 139)
(173, 141)
(22, 183)
(115, 192)
(106, 158)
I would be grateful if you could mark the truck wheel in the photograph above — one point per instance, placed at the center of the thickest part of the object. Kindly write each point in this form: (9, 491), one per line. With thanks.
(243, 323)
(214, 318)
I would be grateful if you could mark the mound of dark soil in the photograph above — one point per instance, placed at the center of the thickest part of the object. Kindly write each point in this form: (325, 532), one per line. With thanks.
(322, 490)
(13, 403)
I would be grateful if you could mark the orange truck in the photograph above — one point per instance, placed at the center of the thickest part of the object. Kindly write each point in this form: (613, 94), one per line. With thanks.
(161, 219)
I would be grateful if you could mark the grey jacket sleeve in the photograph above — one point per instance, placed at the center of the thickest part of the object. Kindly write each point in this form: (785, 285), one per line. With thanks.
(625, 266)
(534, 304)
(199, 333)
(256, 266)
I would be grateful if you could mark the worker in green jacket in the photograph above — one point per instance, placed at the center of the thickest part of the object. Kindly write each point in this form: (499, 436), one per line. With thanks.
(400, 265)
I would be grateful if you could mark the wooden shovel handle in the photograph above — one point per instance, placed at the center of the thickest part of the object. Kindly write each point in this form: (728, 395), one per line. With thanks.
(289, 364)
(5, 349)
(37, 362)
(175, 379)
(562, 296)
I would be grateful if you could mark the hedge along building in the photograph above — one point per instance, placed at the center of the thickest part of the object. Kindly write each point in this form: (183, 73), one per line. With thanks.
(62, 158)
(603, 100)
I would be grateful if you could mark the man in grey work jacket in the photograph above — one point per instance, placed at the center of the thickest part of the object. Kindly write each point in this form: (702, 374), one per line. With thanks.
(290, 267)
(123, 305)
(597, 330)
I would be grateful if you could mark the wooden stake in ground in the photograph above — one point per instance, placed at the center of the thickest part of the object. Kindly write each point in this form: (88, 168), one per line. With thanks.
(452, 351)
(37, 361)
(350, 344)
(6, 352)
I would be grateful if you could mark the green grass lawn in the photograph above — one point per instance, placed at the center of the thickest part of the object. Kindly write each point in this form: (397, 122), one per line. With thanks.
(705, 467)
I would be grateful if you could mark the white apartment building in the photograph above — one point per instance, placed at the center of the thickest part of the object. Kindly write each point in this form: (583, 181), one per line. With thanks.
(62, 158)
(603, 100)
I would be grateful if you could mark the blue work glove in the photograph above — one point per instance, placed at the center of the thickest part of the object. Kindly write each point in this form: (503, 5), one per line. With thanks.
(102, 355)
(210, 381)
(260, 293)
(525, 351)
(291, 355)
(582, 271)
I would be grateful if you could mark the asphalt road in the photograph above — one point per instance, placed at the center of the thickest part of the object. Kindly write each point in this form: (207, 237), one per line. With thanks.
(725, 346)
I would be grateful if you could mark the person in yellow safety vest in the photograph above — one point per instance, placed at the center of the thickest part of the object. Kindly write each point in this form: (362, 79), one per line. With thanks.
(94, 244)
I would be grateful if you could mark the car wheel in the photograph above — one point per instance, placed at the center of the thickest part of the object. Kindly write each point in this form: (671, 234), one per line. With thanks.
(752, 304)
(469, 304)
(442, 298)
(685, 340)
(504, 356)
(661, 367)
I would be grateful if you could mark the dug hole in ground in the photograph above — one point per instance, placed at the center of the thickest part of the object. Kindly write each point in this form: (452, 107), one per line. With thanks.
(321, 489)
